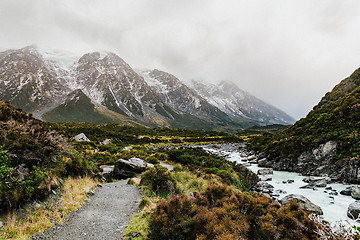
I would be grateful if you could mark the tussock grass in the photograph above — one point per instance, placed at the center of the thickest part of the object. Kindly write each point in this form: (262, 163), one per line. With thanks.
(189, 182)
(139, 223)
(49, 212)
(74, 195)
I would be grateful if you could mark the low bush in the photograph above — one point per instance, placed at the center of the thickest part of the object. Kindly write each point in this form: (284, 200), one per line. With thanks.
(152, 160)
(158, 180)
(222, 213)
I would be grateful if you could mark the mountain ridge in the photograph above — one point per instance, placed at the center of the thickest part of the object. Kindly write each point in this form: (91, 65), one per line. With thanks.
(43, 82)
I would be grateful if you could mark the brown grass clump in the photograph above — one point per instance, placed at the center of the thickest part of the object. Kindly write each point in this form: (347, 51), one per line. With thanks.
(50, 212)
(219, 212)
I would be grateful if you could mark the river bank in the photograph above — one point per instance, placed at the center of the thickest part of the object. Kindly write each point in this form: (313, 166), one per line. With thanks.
(333, 204)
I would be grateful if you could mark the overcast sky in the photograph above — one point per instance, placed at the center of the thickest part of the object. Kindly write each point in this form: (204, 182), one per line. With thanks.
(288, 53)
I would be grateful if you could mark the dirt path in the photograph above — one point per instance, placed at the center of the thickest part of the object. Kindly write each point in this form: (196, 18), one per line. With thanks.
(103, 217)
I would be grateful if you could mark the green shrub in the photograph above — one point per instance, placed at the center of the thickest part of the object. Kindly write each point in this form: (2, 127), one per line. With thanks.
(152, 160)
(159, 181)
(177, 168)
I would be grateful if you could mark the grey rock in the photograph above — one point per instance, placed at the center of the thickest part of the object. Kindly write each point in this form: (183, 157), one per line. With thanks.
(246, 164)
(19, 172)
(265, 171)
(347, 191)
(266, 190)
(128, 168)
(138, 162)
(353, 211)
(263, 186)
(304, 203)
(105, 142)
(324, 149)
(334, 193)
(275, 194)
(86, 190)
(267, 195)
(321, 183)
(315, 182)
(355, 192)
(81, 138)
(262, 162)
(312, 179)
(1, 225)
(280, 191)
(265, 178)
(128, 148)
(37, 205)
(307, 186)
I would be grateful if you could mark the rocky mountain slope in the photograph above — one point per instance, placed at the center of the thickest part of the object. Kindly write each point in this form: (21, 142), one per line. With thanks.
(179, 96)
(235, 102)
(27, 82)
(102, 87)
(326, 141)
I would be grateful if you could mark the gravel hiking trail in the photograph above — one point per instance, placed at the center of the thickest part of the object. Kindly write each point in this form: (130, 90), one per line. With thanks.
(103, 217)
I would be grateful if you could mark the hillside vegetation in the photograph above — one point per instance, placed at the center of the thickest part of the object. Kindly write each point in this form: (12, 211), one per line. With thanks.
(33, 159)
(336, 118)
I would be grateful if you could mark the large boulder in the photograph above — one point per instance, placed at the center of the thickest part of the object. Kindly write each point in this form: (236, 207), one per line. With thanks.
(353, 211)
(107, 172)
(265, 171)
(264, 187)
(81, 138)
(128, 168)
(355, 192)
(262, 162)
(346, 191)
(304, 203)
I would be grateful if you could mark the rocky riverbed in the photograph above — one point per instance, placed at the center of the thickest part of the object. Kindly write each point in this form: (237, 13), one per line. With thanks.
(321, 191)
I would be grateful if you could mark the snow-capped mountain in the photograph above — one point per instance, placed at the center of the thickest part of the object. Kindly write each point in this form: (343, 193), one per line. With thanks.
(230, 99)
(179, 96)
(27, 81)
(109, 81)
(102, 87)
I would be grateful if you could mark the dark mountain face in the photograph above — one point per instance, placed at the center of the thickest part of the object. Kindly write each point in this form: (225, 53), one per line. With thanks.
(26, 81)
(111, 82)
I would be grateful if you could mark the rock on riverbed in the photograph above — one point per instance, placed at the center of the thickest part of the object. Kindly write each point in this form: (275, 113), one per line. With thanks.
(304, 203)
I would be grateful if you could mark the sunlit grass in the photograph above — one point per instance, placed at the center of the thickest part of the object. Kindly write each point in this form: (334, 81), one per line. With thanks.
(49, 212)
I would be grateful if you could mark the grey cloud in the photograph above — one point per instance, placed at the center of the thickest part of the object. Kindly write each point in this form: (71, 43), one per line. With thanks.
(288, 53)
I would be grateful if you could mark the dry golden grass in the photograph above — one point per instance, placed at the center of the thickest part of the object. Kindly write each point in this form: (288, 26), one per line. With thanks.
(50, 212)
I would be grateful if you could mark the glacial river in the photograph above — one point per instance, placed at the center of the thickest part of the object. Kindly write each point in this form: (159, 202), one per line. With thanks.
(334, 207)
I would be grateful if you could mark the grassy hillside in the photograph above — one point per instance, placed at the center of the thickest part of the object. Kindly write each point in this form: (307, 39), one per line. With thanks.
(336, 117)
(33, 159)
